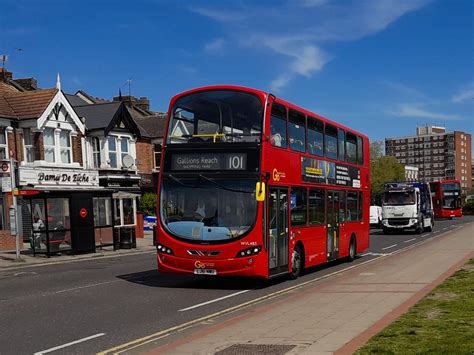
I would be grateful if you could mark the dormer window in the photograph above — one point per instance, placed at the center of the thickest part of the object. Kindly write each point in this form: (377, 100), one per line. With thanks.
(96, 152)
(48, 139)
(124, 145)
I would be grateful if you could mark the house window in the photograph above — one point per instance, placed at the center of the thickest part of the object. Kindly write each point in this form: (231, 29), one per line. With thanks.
(157, 156)
(3, 143)
(65, 146)
(49, 145)
(29, 145)
(124, 146)
(96, 152)
(112, 141)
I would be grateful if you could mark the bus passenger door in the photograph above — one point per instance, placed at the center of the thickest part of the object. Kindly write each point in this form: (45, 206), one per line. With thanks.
(277, 230)
(332, 225)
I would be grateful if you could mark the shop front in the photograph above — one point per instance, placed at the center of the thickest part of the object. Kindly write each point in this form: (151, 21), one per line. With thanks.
(64, 210)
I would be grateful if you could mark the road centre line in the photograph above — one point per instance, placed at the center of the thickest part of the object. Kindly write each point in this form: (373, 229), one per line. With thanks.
(410, 240)
(69, 344)
(163, 333)
(86, 286)
(214, 300)
(390, 247)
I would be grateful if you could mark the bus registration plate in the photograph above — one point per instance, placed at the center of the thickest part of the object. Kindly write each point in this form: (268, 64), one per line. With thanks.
(205, 271)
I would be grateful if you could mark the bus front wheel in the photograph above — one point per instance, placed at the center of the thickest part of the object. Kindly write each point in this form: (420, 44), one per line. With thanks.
(296, 262)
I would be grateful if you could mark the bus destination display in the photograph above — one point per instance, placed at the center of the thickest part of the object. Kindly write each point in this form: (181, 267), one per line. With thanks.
(209, 161)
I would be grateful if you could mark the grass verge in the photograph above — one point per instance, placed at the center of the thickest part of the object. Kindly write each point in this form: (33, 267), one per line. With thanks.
(441, 323)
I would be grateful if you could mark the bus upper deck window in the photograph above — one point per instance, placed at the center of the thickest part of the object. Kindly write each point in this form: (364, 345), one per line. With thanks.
(330, 141)
(315, 137)
(341, 144)
(351, 148)
(297, 131)
(278, 126)
(360, 151)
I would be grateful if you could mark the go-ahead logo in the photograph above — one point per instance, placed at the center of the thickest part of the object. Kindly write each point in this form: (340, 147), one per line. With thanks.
(278, 175)
(199, 265)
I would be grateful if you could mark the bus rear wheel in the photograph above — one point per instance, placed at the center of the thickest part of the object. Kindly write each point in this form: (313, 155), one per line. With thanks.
(296, 262)
(352, 249)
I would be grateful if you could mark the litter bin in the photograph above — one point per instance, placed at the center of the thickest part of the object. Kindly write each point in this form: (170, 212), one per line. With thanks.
(127, 239)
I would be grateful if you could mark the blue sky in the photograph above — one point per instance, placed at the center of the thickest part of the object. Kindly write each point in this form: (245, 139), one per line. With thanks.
(379, 66)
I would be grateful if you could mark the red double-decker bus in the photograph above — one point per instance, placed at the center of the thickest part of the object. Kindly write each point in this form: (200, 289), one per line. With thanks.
(253, 185)
(446, 196)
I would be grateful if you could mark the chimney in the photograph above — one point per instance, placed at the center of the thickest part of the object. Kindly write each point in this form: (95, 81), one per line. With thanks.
(28, 84)
(141, 102)
(5, 75)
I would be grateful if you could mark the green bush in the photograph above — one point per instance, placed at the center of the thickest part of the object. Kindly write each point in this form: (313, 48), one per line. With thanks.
(148, 204)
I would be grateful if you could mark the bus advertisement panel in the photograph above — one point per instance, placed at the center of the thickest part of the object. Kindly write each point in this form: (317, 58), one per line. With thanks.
(252, 185)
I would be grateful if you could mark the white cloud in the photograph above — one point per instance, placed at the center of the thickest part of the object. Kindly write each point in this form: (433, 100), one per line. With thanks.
(280, 82)
(215, 47)
(466, 95)
(405, 90)
(417, 111)
(300, 29)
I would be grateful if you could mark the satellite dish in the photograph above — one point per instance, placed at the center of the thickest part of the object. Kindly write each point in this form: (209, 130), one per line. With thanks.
(127, 161)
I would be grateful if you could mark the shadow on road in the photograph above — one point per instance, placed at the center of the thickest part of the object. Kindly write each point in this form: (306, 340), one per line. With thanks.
(152, 278)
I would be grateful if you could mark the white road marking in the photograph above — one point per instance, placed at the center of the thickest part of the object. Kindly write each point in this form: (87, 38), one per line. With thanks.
(445, 228)
(410, 240)
(375, 254)
(389, 247)
(69, 344)
(214, 300)
(86, 286)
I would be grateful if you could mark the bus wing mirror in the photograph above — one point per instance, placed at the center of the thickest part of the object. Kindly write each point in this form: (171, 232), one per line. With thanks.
(260, 191)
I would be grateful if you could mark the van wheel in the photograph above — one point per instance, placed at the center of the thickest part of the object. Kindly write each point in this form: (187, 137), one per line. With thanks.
(296, 262)
(352, 249)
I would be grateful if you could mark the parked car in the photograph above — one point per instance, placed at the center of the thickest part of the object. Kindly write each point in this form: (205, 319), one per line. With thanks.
(376, 216)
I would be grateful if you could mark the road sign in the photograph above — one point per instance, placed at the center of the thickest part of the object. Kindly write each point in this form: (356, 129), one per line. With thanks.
(6, 184)
(83, 212)
(5, 167)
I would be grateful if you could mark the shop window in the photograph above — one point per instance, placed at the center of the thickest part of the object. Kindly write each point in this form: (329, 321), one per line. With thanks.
(315, 137)
(298, 206)
(102, 211)
(112, 145)
(297, 131)
(96, 152)
(65, 149)
(48, 139)
(316, 207)
(278, 126)
(330, 141)
(28, 140)
(117, 214)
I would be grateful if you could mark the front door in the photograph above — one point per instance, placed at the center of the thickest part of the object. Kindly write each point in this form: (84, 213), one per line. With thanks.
(332, 225)
(277, 230)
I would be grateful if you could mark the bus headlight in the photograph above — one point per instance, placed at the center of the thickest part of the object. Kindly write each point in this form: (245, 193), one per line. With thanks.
(164, 249)
(249, 252)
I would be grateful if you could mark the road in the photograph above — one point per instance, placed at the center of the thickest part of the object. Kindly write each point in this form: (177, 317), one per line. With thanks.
(92, 305)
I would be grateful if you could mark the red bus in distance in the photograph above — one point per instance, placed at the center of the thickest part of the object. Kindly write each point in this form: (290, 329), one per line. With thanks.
(252, 185)
(446, 195)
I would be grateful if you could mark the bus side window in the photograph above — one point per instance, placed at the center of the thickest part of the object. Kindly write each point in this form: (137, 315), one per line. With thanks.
(330, 141)
(351, 148)
(359, 206)
(278, 126)
(341, 144)
(360, 151)
(298, 206)
(297, 131)
(342, 206)
(315, 136)
(316, 207)
(351, 206)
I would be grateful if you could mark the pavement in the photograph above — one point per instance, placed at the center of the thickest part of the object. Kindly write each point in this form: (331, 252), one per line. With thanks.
(335, 315)
(8, 258)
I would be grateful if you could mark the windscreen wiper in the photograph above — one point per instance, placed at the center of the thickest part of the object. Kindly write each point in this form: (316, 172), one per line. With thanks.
(175, 179)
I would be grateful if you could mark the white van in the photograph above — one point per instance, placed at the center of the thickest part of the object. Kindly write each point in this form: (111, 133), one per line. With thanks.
(376, 216)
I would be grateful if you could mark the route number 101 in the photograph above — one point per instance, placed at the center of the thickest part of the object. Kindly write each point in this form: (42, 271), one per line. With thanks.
(236, 162)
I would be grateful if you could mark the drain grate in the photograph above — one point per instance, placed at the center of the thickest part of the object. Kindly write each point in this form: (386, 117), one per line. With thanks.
(251, 349)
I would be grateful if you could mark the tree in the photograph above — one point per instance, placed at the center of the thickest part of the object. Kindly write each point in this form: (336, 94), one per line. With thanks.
(384, 169)
(148, 204)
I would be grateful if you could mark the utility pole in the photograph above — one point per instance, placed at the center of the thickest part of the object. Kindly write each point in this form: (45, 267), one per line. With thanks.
(15, 210)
